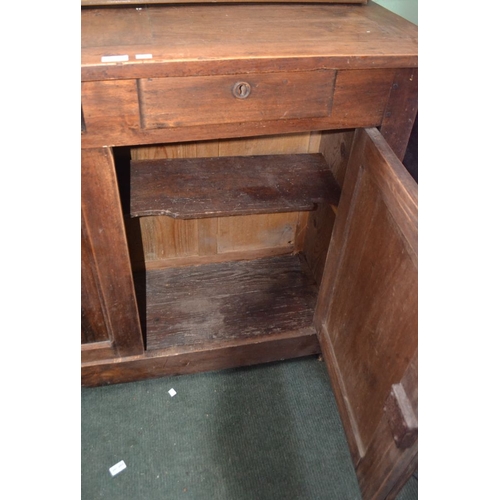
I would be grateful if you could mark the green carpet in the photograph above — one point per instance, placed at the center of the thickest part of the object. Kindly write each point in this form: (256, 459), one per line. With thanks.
(265, 432)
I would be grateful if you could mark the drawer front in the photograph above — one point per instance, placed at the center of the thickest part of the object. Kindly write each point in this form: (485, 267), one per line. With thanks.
(202, 100)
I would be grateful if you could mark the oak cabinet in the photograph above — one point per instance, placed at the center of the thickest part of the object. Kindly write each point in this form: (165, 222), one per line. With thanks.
(243, 201)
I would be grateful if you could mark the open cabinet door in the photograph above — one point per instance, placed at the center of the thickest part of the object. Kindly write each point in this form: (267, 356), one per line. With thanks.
(367, 315)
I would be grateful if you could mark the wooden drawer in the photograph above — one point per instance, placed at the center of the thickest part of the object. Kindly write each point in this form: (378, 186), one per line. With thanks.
(205, 100)
(177, 109)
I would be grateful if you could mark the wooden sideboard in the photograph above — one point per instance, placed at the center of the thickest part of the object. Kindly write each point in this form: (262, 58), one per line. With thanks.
(243, 201)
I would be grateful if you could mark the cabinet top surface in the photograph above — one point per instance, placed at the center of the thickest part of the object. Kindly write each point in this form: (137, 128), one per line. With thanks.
(118, 42)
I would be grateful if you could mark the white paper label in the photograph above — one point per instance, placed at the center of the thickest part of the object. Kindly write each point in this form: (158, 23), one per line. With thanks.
(117, 468)
(114, 58)
(172, 392)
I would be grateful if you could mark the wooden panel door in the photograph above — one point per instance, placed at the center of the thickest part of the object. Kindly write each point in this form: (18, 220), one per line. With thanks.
(110, 320)
(367, 315)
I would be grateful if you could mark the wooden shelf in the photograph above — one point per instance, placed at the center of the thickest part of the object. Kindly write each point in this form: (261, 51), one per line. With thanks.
(236, 185)
(234, 303)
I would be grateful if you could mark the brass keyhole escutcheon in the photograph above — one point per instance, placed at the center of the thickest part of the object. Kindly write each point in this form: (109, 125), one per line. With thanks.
(241, 90)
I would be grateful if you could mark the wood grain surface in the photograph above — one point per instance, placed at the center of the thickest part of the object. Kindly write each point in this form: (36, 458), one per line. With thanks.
(198, 358)
(159, 241)
(193, 40)
(106, 247)
(112, 112)
(230, 300)
(198, 100)
(231, 185)
(367, 306)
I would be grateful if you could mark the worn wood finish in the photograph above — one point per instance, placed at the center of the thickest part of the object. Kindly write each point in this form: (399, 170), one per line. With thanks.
(367, 307)
(333, 38)
(401, 473)
(234, 185)
(317, 239)
(229, 300)
(186, 40)
(166, 242)
(229, 256)
(401, 110)
(194, 359)
(401, 417)
(95, 351)
(158, 241)
(103, 223)
(275, 232)
(199, 100)
(112, 112)
(335, 146)
(110, 103)
(94, 327)
(384, 458)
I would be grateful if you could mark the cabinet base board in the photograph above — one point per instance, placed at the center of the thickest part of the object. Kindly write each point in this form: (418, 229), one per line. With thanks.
(180, 361)
(217, 316)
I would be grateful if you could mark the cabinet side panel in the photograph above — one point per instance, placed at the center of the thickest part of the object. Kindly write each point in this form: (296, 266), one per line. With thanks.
(94, 328)
(101, 210)
(401, 110)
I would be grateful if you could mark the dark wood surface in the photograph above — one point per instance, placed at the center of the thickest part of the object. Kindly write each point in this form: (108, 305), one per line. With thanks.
(112, 110)
(240, 185)
(196, 53)
(202, 305)
(197, 100)
(94, 351)
(407, 458)
(94, 328)
(401, 110)
(201, 39)
(317, 239)
(401, 417)
(106, 246)
(367, 307)
(198, 358)
(398, 463)
(366, 310)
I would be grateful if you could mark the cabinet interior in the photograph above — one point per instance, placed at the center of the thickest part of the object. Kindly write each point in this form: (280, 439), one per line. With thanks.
(250, 273)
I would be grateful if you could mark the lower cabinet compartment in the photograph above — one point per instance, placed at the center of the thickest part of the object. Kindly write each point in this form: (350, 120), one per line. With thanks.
(228, 238)
(223, 284)
(256, 300)
(230, 277)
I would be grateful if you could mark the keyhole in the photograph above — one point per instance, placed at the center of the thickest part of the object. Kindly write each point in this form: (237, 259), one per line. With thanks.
(241, 90)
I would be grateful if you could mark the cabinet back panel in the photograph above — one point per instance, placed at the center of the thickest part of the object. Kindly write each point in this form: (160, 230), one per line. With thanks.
(159, 241)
